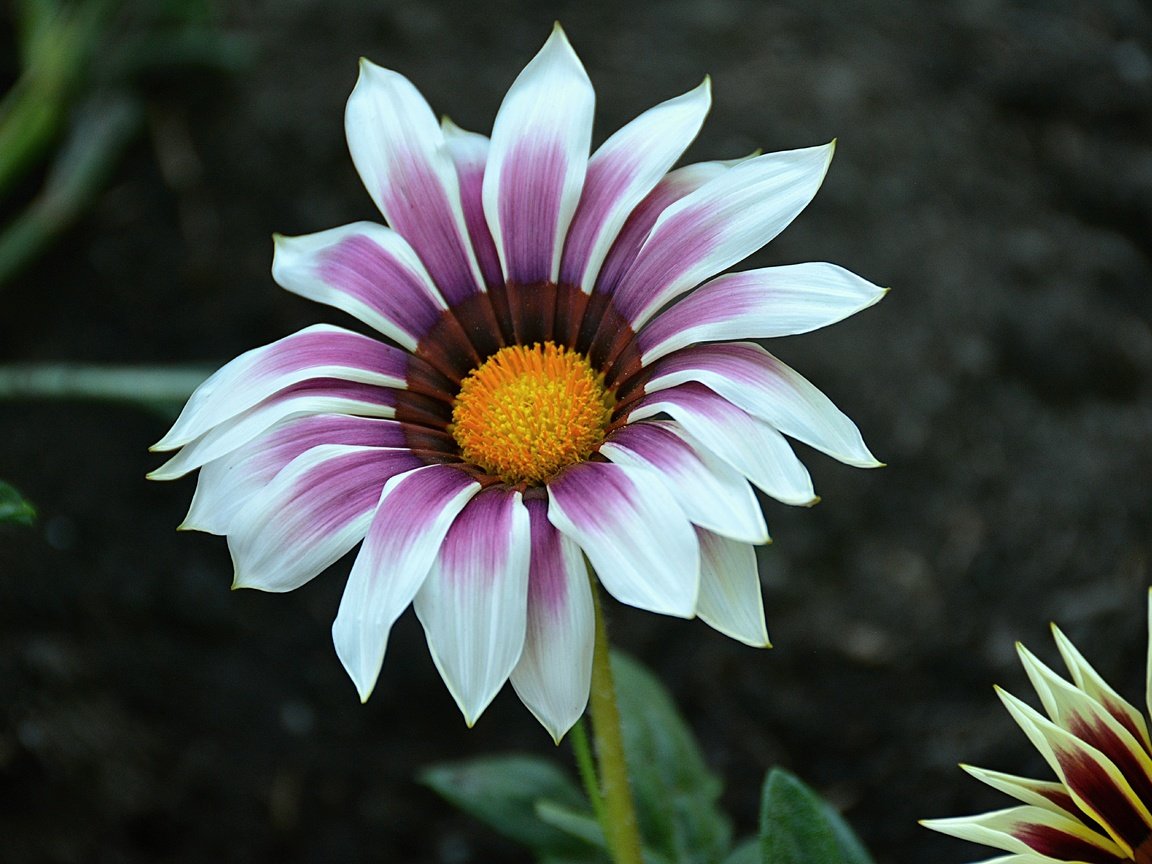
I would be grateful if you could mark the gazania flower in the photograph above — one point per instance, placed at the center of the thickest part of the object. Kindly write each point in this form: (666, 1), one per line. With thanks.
(1098, 809)
(547, 393)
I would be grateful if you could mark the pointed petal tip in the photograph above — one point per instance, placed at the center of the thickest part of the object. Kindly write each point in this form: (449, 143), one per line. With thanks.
(816, 499)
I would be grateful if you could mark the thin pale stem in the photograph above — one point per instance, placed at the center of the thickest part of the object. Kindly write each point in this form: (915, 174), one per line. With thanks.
(140, 384)
(618, 813)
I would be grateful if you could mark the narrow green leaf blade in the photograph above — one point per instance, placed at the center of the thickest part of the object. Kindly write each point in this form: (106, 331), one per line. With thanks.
(676, 795)
(13, 507)
(798, 827)
(504, 792)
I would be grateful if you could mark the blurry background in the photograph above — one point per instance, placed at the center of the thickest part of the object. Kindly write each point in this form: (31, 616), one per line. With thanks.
(993, 167)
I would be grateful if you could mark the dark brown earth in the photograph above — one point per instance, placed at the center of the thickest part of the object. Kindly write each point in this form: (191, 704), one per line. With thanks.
(993, 166)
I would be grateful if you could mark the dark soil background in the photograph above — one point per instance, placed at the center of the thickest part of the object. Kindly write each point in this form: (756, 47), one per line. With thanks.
(993, 166)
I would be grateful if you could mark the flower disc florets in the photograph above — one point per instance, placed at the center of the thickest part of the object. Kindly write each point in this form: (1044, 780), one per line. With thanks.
(527, 412)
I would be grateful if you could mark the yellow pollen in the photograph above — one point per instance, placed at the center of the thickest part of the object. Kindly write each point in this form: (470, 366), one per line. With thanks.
(528, 411)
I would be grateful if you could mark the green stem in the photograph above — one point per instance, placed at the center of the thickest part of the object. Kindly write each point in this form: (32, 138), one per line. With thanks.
(587, 768)
(140, 384)
(618, 813)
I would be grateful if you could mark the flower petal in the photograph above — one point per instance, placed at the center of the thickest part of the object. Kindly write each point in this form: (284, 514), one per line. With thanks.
(315, 510)
(1095, 783)
(1089, 680)
(320, 396)
(639, 542)
(759, 304)
(752, 379)
(414, 514)
(621, 173)
(719, 224)
(398, 148)
(1039, 793)
(469, 151)
(749, 445)
(674, 186)
(730, 598)
(537, 160)
(555, 671)
(712, 494)
(320, 351)
(1031, 830)
(226, 484)
(1078, 713)
(473, 605)
(366, 270)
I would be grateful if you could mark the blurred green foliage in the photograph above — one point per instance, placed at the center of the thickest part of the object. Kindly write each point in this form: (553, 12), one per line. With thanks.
(534, 803)
(79, 100)
(13, 508)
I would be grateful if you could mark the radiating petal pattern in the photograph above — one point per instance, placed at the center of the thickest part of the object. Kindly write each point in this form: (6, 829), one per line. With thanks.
(366, 270)
(712, 494)
(314, 511)
(533, 416)
(537, 161)
(642, 546)
(469, 152)
(755, 381)
(718, 225)
(1099, 810)
(319, 396)
(749, 445)
(398, 148)
(621, 173)
(414, 514)
(226, 484)
(555, 670)
(474, 603)
(320, 351)
(759, 304)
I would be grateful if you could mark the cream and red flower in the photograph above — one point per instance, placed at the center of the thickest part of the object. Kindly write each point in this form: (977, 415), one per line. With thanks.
(1097, 811)
(547, 397)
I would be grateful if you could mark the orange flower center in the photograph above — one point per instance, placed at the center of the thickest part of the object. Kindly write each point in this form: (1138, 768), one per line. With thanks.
(528, 411)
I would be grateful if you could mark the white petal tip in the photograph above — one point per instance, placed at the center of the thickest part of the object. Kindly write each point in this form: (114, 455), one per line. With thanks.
(812, 502)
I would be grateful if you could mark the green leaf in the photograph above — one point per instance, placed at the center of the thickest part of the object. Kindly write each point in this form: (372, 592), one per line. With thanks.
(798, 827)
(13, 507)
(574, 822)
(676, 795)
(747, 852)
(505, 791)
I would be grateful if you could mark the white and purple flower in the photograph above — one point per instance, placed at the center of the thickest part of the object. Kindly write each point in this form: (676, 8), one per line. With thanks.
(547, 397)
